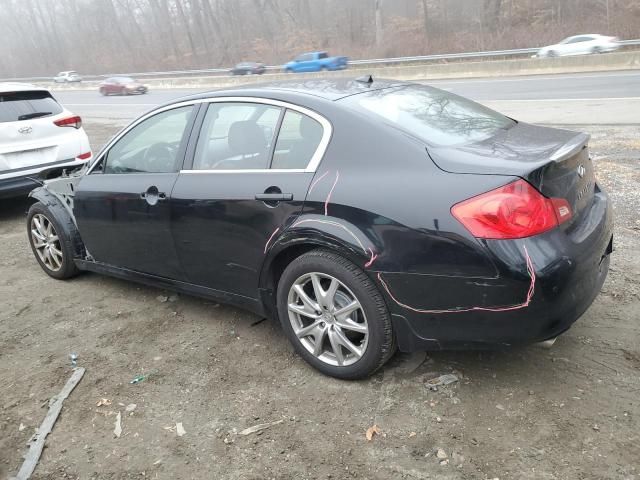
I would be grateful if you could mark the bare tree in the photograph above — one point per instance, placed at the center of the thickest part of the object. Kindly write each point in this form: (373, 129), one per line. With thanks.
(107, 36)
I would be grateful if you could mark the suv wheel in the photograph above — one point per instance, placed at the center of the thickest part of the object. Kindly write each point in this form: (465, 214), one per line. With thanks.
(334, 315)
(49, 244)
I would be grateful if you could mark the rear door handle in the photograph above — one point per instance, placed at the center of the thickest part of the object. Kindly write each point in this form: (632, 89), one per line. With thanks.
(274, 197)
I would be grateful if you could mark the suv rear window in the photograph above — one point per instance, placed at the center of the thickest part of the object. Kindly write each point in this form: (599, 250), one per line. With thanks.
(17, 106)
(438, 117)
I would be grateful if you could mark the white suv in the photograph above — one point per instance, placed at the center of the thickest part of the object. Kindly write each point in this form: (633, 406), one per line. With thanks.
(39, 138)
(67, 77)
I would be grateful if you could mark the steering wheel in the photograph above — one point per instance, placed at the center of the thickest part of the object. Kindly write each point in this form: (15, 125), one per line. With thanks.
(159, 157)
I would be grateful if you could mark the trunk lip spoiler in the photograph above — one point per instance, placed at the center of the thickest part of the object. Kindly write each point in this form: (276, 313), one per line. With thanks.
(570, 148)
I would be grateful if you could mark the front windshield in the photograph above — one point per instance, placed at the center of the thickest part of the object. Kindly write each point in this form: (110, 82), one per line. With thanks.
(435, 116)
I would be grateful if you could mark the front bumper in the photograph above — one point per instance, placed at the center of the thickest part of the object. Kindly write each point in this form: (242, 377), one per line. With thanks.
(518, 306)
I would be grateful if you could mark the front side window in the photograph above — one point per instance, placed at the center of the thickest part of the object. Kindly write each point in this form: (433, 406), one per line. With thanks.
(236, 136)
(298, 140)
(435, 116)
(151, 146)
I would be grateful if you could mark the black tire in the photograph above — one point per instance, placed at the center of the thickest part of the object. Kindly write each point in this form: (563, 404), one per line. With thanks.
(103, 92)
(596, 50)
(380, 345)
(552, 54)
(67, 268)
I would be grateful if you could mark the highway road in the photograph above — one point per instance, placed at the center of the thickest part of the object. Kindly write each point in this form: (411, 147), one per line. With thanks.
(618, 90)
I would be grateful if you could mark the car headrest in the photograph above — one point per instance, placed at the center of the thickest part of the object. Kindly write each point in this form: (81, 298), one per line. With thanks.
(310, 129)
(246, 138)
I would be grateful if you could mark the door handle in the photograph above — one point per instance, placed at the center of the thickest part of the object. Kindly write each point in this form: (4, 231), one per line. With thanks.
(152, 195)
(274, 197)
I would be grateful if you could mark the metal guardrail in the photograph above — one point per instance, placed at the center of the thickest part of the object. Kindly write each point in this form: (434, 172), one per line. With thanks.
(374, 61)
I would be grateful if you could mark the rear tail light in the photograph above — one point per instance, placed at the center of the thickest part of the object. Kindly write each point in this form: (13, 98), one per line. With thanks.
(75, 122)
(516, 210)
(84, 156)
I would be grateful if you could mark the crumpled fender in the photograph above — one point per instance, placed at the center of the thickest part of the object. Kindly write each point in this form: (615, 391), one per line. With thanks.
(64, 217)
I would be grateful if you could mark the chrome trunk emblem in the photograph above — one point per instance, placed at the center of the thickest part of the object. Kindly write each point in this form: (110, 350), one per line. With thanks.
(25, 130)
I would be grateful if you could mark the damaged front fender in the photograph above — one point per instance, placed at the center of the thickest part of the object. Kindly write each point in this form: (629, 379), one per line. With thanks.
(57, 196)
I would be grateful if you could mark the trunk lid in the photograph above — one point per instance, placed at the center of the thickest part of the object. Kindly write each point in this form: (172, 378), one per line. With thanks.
(554, 161)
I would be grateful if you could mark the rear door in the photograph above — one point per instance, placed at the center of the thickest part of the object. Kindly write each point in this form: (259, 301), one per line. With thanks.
(122, 206)
(248, 178)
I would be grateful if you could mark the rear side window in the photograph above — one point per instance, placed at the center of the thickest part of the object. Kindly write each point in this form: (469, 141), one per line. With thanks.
(236, 136)
(298, 140)
(435, 116)
(323, 55)
(18, 106)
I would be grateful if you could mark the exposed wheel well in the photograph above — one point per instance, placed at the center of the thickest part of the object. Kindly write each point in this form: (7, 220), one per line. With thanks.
(283, 259)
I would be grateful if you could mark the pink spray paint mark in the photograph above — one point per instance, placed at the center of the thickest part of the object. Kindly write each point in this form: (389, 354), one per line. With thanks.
(266, 245)
(326, 203)
(373, 259)
(530, 292)
(328, 222)
(315, 182)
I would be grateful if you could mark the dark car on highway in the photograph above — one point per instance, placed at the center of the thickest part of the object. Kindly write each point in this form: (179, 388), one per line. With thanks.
(249, 68)
(122, 86)
(364, 215)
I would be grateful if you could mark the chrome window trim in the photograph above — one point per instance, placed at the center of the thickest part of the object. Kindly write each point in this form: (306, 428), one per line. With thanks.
(311, 167)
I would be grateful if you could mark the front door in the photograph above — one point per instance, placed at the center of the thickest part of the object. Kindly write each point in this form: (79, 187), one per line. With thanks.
(123, 206)
(249, 179)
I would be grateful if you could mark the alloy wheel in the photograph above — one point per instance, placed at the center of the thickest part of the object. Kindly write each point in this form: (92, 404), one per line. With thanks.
(46, 242)
(328, 319)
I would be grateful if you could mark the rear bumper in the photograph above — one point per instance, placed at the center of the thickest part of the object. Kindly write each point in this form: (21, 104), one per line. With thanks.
(517, 306)
(19, 182)
(17, 187)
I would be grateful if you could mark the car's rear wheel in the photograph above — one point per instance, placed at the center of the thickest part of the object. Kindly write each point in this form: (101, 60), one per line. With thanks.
(49, 244)
(334, 315)
(596, 50)
(103, 91)
(552, 54)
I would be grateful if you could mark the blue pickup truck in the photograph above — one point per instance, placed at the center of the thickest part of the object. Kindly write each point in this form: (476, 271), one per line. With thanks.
(316, 62)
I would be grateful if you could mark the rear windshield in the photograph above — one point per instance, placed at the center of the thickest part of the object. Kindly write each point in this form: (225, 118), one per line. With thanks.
(17, 106)
(438, 117)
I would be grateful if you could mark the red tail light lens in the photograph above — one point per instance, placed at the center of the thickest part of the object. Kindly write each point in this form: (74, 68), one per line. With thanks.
(84, 156)
(516, 210)
(75, 122)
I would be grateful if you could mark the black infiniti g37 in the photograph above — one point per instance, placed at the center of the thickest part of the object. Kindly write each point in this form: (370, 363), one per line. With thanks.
(364, 215)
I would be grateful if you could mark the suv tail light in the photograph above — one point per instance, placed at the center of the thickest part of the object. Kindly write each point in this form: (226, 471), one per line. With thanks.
(75, 122)
(516, 210)
(84, 156)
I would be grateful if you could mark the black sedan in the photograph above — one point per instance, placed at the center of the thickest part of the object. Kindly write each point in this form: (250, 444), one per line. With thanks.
(248, 68)
(364, 215)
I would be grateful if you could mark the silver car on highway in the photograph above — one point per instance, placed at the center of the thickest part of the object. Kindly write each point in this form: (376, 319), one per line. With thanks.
(581, 45)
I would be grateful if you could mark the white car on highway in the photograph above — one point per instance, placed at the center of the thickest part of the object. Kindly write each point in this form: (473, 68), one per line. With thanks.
(39, 138)
(581, 45)
(67, 77)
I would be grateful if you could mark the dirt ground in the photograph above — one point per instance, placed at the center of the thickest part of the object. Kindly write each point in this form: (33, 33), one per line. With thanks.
(571, 412)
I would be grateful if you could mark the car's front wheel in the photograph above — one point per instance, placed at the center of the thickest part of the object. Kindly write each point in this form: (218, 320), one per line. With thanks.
(334, 315)
(49, 244)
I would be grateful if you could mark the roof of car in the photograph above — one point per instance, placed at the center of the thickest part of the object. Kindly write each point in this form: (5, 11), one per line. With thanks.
(20, 87)
(329, 89)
